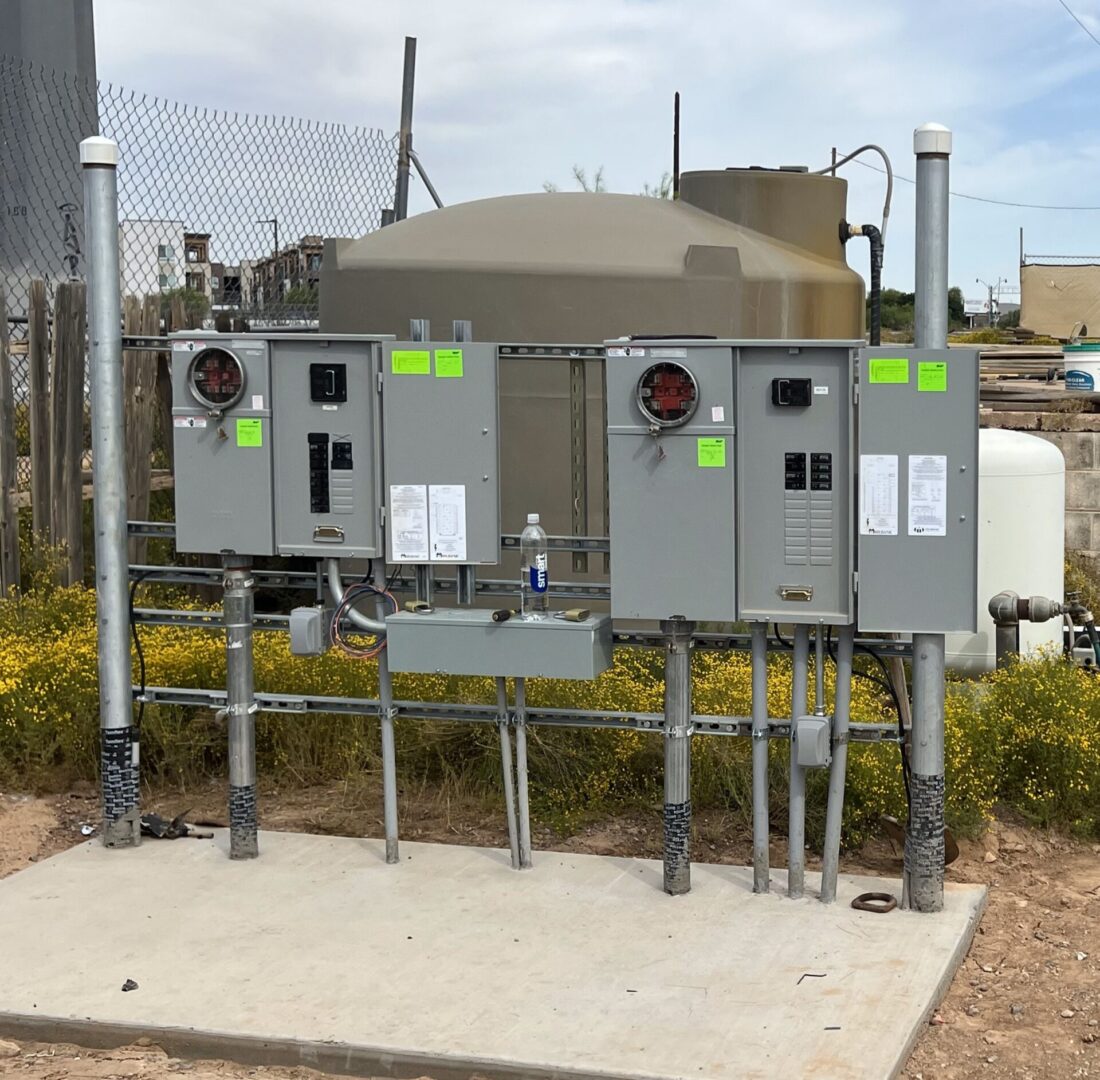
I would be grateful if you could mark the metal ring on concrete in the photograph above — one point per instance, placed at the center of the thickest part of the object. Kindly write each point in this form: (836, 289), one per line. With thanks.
(878, 902)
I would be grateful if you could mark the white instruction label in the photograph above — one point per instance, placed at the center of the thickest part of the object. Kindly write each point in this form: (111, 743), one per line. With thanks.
(927, 495)
(625, 350)
(821, 391)
(717, 414)
(878, 494)
(189, 421)
(257, 401)
(408, 513)
(666, 354)
(447, 514)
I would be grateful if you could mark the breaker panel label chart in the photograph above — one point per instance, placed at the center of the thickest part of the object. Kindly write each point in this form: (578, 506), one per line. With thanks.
(927, 494)
(878, 494)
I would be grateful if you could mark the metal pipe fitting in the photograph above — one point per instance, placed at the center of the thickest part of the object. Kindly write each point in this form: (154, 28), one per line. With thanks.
(677, 808)
(336, 588)
(240, 707)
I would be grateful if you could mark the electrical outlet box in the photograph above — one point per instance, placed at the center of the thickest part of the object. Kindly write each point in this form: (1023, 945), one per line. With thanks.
(441, 452)
(812, 741)
(309, 630)
(917, 516)
(466, 641)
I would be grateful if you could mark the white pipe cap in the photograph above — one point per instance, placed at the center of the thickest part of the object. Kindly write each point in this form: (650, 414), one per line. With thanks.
(97, 150)
(932, 139)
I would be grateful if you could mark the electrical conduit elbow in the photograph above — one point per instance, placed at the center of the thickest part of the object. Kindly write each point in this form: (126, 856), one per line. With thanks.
(336, 587)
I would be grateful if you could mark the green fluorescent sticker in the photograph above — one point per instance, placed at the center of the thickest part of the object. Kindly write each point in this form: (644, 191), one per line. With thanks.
(250, 433)
(712, 453)
(932, 375)
(889, 370)
(448, 363)
(411, 362)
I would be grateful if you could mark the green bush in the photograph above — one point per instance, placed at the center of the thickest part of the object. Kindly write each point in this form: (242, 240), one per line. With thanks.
(1029, 735)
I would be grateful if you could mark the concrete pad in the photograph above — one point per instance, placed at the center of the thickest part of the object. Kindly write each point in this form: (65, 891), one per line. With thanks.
(452, 963)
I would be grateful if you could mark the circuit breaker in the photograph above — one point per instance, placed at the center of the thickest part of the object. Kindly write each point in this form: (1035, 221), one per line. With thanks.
(327, 446)
(278, 444)
(917, 515)
(794, 438)
(441, 452)
(671, 471)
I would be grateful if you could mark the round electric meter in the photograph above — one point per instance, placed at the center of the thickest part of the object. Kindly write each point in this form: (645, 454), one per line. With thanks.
(668, 394)
(216, 378)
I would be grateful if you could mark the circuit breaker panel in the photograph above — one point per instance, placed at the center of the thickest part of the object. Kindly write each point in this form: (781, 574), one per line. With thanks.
(327, 447)
(441, 452)
(794, 433)
(918, 489)
(671, 465)
(221, 436)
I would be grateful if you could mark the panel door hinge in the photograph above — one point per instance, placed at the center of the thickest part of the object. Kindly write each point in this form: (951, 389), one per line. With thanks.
(855, 393)
(378, 376)
(382, 517)
(855, 582)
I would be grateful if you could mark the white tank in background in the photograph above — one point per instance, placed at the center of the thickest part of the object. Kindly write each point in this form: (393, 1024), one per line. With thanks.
(1021, 539)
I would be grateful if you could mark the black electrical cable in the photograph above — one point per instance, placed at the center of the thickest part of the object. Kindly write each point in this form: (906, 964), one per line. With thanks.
(780, 640)
(138, 649)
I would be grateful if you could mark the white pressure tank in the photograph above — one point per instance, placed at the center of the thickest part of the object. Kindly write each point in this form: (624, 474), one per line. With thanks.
(1021, 539)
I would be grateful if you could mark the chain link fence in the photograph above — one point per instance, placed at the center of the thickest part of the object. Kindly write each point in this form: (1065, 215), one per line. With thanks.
(221, 215)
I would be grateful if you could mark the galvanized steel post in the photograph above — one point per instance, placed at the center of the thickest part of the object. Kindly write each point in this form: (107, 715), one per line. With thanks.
(408, 79)
(506, 770)
(760, 854)
(796, 822)
(834, 812)
(118, 737)
(522, 798)
(678, 731)
(922, 887)
(240, 706)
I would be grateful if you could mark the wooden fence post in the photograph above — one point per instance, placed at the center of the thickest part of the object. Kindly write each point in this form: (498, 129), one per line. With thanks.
(9, 514)
(67, 426)
(38, 364)
(140, 377)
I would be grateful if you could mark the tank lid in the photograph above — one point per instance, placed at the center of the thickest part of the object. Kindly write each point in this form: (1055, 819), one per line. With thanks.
(1003, 452)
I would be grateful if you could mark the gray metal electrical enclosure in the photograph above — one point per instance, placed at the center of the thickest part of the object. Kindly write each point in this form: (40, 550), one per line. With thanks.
(327, 447)
(464, 641)
(277, 444)
(918, 490)
(441, 452)
(670, 466)
(222, 445)
(794, 439)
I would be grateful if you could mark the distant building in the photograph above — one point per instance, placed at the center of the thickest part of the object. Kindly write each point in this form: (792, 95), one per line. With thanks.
(197, 272)
(150, 255)
(294, 267)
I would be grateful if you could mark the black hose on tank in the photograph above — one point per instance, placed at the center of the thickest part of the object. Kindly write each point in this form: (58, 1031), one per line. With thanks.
(874, 295)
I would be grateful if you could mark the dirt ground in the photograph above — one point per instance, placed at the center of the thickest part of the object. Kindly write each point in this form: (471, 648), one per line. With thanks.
(1025, 1003)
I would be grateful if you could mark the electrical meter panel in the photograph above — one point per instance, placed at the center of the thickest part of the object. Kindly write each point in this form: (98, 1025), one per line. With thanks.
(442, 459)
(670, 465)
(221, 428)
(327, 447)
(917, 515)
(794, 437)
(277, 444)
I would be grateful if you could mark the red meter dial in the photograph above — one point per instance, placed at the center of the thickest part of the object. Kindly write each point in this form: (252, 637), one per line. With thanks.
(668, 394)
(216, 378)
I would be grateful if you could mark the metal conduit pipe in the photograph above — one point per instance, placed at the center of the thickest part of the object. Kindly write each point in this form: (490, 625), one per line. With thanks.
(336, 587)
(522, 798)
(760, 757)
(796, 824)
(506, 769)
(678, 731)
(240, 707)
(834, 813)
(386, 714)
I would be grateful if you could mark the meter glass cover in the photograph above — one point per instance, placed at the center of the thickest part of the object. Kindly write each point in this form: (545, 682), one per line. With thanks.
(668, 394)
(217, 378)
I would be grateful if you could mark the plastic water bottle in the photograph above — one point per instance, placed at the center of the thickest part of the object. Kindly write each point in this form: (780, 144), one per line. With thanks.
(534, 598)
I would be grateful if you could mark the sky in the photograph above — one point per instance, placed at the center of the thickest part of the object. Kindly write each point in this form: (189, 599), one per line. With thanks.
(513, 93)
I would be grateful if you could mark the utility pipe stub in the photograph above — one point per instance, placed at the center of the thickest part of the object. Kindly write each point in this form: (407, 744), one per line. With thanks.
(932, 139)
(97, 150)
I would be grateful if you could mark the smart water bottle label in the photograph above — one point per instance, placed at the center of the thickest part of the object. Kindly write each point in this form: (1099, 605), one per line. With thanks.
(540, 575)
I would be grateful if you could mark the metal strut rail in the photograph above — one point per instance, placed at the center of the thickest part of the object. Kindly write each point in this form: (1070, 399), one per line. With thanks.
(307, 704)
